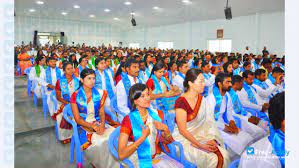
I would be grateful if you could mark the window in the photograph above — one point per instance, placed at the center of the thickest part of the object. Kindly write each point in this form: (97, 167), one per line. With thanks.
(165, 45)
(134, 45)
(220, 45)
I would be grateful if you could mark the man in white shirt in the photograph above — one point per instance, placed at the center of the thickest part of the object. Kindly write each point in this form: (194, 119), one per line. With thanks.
(235, 138)
(50, 76)
(251, 124)
(250, 98)
(276, 73)
(123, 86)
(36, 77)
(270, 151)
(264, 90)
(209, 78)
(178, 80)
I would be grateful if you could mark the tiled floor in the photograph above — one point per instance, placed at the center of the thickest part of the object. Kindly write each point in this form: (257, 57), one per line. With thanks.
(35, 142)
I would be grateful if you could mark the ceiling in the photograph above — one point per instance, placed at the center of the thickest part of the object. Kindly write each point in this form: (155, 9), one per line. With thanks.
(169, 12)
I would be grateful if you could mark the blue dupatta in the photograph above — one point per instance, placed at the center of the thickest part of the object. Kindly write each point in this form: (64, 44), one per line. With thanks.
(165, 103)
(206, 88)
(237, 71)
(249, 92)
(81, 101)
(127, 85)
(277, 140)
(237, 105)
(49, 76)
(65, 88)
(170, 76)
(218, 98)
(99, 83)
(237, 120)
(144, 149)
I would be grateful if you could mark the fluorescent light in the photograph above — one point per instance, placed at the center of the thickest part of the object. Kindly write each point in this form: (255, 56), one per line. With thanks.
(132, 13)
(76, 6)
(31, 10)
(40, 2)
(107, 10)
(156, 7)
(186, 1)
(128, 3)
(63, 13)
(92, 16)
(115, 18)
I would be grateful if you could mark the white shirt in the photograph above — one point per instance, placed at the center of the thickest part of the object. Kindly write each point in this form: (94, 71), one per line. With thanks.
(243, 96)
(39, 80)
(212, 101)
(265, 93)
(121, 95)
(262, 157)
(279, 86)
(178, 81)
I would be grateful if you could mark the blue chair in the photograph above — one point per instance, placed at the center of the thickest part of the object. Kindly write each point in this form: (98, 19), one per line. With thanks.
(234, 164)
(27, 71)
(113, 105)
(113, 148)
(19, 70)
(44, 99)
(75, 141)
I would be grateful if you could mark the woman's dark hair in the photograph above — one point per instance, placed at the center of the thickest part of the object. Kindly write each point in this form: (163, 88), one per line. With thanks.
(225, 66)
(157, 67)
(98, 60)
(170, 65)
(191, 76)
(214, 60)
(85, 72)
(64, 64)
(246, 63)
(276, 110)
(40, 55)
(145, 58)
(80, 60)
(73, 62)
(119, 70)
(38, 59)
(135, 92)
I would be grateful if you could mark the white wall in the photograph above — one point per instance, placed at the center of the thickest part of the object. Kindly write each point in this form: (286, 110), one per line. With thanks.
(255, 31)
(91, 33)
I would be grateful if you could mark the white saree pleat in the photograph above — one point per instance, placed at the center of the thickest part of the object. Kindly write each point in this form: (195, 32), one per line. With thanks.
(203, 128)
(63, 134)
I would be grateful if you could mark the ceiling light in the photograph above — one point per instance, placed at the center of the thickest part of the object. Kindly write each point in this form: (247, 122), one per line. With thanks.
(156, 7)
(40, 2)
(115, 18)
(107, 10)
(63, 13)
(76, 6)
(128, 3)
(186, 1)
(31, 10)
(132, 13)
(92, 16)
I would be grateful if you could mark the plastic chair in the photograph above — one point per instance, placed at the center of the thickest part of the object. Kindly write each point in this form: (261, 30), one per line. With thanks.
(113, 105)
(234, 164)
(19, 70)
(113, 148)
(75, 141)
(27, 71)
(44, 99)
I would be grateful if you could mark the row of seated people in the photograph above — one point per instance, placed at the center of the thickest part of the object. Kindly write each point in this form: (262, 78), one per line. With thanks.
(217, 115)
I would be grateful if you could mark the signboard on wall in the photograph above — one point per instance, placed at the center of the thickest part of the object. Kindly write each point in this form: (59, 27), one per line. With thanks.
(219, 33)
